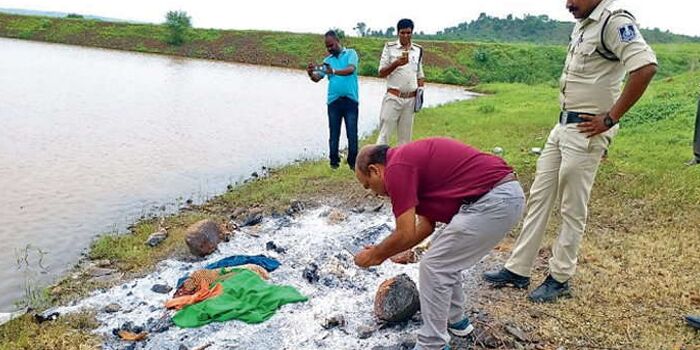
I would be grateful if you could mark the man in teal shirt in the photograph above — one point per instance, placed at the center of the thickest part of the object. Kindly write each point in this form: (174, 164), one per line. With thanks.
(340, 66)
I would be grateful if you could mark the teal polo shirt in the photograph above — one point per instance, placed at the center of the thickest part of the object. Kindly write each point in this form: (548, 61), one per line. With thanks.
(343, 86)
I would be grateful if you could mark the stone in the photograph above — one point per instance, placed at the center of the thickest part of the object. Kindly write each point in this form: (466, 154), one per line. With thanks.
(183, 347)
(333, 322)
(100, 271)
(159, 325)
(102, 263)
(157, 237)
(364, 332)
(106, 279)
(252, 220)
(203, 237)
(274, 247)
(336, 216)
(295, 207)
(47, 315)
(377, 208)
(112, 308)
(310, 273)
(396, 299)
(237, 212)
(358, 210)
(161, 288)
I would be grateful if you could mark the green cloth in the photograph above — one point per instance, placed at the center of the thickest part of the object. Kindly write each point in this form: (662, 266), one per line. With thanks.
(246, 297)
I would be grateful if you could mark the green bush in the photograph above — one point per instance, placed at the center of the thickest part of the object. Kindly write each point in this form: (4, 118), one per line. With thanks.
(178, 23)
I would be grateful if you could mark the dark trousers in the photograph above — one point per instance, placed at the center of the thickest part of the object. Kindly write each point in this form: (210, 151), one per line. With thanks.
(696, 147)
(342, 109)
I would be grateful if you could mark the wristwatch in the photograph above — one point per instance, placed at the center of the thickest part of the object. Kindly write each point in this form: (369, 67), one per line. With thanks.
(608, 121)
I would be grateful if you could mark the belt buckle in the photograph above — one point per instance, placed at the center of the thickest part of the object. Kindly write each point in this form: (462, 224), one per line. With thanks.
(563, 117)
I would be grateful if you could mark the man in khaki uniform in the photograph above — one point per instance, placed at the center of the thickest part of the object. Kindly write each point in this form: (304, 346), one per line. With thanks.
(401, 65)
(605, 44)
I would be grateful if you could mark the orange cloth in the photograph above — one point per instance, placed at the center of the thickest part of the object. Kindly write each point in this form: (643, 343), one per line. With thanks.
(202, 293)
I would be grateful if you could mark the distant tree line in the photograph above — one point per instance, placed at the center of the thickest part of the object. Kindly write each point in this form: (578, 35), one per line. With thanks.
(536, 29)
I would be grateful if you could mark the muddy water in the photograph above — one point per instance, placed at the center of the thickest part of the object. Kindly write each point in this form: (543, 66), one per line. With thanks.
(91, 139)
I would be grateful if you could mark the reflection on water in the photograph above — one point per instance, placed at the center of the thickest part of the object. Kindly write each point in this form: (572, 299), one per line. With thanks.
(91, 139)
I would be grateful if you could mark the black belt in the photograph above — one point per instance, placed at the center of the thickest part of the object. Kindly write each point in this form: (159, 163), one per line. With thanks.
(566, 117)
(473, 199)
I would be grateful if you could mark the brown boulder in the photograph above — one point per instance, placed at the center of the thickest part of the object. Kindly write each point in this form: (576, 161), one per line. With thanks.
(203, 237)
(396, 299)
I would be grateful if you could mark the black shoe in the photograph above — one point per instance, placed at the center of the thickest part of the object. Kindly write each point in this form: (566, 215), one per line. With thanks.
(335, 166)
(504, 277)
(549, 291)
(693, 321)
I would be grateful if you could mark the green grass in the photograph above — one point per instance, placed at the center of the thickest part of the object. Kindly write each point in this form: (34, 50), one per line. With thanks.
(638, 270)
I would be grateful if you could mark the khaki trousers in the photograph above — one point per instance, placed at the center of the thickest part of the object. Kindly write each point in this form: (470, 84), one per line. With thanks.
(566, 169)
(471, 234)
(396, 114)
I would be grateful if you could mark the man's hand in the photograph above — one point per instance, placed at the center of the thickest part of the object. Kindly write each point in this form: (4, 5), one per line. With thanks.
(310, 68)
(402, 61)
(593, 125)
(367, 257)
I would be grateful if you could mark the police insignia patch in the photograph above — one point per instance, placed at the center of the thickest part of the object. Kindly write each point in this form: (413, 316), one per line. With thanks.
(627, 33)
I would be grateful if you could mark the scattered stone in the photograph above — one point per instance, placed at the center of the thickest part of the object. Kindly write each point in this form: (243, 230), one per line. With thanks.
(295, 207)
(335, 321)
(161, 288)
(377, 208)
(254, 175)
(406, 343)
(106, 279)
(252, 220)
(102, 263)
(536, 150)
(237, 212)
(159, 325)
(47, 315)
(364, 332)
(157, 237)
(183, 347)
(274, 247)
(112, 308)
(311, 273)
(99, 271)
(336, 216)
(396, 299)
(498, 150)
(358, 210)
(203, 237)
(517, 333)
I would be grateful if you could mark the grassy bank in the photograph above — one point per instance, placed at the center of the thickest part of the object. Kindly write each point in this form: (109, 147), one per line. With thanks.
(445, 62)
(638, 272)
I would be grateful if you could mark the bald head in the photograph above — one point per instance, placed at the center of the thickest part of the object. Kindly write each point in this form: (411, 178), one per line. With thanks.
(371, 154)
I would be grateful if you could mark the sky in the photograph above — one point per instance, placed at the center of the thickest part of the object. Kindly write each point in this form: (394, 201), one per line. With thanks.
(678, 16)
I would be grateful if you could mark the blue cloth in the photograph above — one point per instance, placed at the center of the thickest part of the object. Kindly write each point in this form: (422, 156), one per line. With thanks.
(268, 264)
(341, 109)
(346, 85)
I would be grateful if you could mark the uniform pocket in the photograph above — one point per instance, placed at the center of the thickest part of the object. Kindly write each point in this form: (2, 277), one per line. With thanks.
(582, 55)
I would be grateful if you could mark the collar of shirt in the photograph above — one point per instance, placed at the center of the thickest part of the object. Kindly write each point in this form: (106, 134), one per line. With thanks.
(342, 51)
(597, 14)
(398, 44)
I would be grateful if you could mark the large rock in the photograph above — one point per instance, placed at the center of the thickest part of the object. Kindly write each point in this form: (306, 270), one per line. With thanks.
(203, 237)
(396, 299)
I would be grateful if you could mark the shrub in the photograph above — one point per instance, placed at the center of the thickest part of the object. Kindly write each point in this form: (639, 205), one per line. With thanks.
(178, 23)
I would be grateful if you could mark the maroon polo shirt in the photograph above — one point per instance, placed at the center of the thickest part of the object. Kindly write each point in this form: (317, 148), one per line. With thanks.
(435, 175)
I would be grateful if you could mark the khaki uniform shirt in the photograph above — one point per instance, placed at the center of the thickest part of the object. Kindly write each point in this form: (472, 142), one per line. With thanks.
(404, 78)
(590, 83)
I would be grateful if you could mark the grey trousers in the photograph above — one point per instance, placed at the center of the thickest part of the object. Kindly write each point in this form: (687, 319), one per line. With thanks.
(473, 232)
